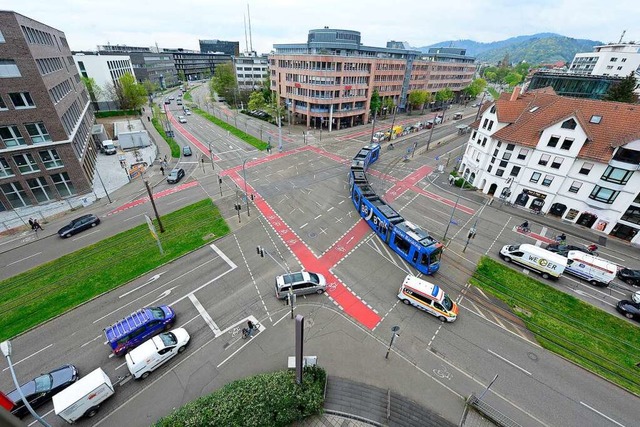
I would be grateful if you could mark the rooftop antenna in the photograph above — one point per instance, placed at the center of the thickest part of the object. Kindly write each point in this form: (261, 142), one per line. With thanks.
(246, 43)
(250, 39)
(623, 33)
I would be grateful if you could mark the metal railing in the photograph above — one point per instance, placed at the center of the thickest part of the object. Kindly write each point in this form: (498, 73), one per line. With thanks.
(490, 412)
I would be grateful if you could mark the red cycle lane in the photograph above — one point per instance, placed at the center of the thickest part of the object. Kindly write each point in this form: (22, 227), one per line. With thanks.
(199, 145)
(157, 195)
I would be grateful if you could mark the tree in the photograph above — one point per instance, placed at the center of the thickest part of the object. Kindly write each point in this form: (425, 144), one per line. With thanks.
(150, 86)
(376, 102)
(224, 81)
(388, 105)
(256, 101)
(623, 91)
(95, 91)
(475, 88)
(130, 94)
(181, 76)
(444, 95)
(513, 78)
(418, 98)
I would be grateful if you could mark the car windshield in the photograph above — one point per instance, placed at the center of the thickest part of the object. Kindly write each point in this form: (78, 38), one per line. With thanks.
(168, 339)
(43, 383)
(157, 313)
(314, 278)
(173, 174)
(447, 303)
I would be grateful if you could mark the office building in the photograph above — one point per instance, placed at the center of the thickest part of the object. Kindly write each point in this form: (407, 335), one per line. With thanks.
(251, 71)
(105, 70)
(46, 149)
(147, 63)
(196, 65)
(575, 85)
(614, 59)
(220, 46)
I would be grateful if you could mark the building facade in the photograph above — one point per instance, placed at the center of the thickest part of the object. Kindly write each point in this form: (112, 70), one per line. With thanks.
(576, 159)
(105, 70)
(46, 149)
(196, 65)
(575, 85)
(220, 46)
(328, 81)
(251, 71)
(615, 59)
(148, 64)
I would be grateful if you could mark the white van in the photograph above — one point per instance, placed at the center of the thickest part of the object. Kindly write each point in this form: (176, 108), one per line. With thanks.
(151, 354)
(108, 147)
(542, 261)
(428, 297)
(597, 271)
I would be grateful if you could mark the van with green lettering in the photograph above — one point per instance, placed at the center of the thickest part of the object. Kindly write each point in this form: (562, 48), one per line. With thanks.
(546, 263)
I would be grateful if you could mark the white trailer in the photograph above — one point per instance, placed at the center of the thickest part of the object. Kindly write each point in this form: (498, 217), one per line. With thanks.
(83, 398)
(548, 264)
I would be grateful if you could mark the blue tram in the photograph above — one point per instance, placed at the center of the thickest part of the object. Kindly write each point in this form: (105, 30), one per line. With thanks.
(409, 241)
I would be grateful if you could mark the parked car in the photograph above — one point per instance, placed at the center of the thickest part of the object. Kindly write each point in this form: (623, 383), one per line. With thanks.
(175, 175)
(182, 119)
(187, 112)
(630, 309)
(167, 101)
(153, 353)
(79, 224)
(186, 150)
(41, 389)
(630, 277)
(301, 283)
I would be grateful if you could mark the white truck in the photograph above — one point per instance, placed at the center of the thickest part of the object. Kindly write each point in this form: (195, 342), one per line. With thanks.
(83, 398)
(548, 264)
(108, 147)
(597, 271)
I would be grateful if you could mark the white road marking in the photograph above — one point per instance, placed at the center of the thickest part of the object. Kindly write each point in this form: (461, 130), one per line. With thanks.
(205, 315)
(132, 217)
(28, 357)
(601, 414)
(151, 280)
(318, 216)
(25, 258)
(304, 225)
(89, 342)
(509, 362)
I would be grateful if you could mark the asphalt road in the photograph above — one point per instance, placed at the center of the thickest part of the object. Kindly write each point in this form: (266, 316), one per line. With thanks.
(307, 191)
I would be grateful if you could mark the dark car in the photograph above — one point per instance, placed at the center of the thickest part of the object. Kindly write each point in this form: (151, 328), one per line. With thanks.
(78, 225)
(40, 390)
(186, 150)
(630, 277)
(564, 249)
(175, 175)
(630, 309)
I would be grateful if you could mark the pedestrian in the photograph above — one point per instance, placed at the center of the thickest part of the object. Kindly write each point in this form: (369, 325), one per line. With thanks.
(36, 225)
(148, 118)
(165, 158)
(162, 170)
(31, 224)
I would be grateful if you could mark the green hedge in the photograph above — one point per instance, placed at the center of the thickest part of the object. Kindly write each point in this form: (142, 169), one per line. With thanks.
(270, 400)
(115, 113)
(175, 148)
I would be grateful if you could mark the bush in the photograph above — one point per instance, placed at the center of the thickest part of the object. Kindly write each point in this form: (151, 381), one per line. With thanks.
(271, 399)
(115, 113)
(175, 148)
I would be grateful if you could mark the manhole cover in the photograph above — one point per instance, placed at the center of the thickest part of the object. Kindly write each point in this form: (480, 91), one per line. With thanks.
(313, 234)
(533, 356)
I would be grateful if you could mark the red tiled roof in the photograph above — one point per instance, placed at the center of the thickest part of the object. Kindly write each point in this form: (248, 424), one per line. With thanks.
(619, 125)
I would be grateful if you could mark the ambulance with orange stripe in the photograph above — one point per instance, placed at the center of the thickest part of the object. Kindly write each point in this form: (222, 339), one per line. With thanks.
(597, 271)
(428, 297)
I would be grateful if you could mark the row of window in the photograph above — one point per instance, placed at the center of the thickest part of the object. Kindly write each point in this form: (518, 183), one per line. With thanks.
(487, 124)
(27, 164)
(70, 117)
(49, 65)
(566, 143)
(60, 90)
(34, 36)
(40, 188)
(12, 137)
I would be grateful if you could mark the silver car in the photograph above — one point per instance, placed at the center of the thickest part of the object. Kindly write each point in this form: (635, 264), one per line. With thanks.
(300, 283)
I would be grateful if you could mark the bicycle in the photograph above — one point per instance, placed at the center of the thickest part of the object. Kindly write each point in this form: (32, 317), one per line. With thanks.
(246, 332)
(522, 229)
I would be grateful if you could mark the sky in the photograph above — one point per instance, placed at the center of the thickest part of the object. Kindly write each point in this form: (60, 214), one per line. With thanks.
(172, 24)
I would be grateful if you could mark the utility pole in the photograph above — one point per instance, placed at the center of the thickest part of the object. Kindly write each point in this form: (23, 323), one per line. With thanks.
(473, 230)
(373, 128)
(393, 121)
(153, 203)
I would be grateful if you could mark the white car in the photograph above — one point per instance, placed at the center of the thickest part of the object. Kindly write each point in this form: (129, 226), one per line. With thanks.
(188, 113)
(182, 119)
(153, 353)
(636, 296)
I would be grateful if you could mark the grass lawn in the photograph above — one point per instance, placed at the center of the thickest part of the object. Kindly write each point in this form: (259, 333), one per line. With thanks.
(30, 298)
(592, 338)
(249, 139)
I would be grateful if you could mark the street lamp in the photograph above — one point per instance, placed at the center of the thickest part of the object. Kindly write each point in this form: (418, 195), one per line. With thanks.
(244, 176)
(99, 177)
(5, 346)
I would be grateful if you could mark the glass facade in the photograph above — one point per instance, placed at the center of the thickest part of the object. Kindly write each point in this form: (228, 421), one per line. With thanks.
(578, 86)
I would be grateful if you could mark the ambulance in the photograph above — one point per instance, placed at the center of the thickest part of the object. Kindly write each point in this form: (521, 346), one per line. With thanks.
(428, 297)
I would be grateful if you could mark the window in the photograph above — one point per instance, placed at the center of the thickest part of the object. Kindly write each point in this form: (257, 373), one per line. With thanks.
(484, 124)
(523, 153)
(506, 156)
(3, 106)
(65, 186)
(40, 189)
(595, 119)
(515, 171)
(493, 109)
(623, 60)
(548, 179)
(5, 169)
(632, 215)
(489, 168)
(614, 59)
(493, 160)
(535, 177)
(499, 144)
(473, 135)
(495, 153)
(627, 156)
(51, 159)
(9, 69)
(21, 100)
(2, 38)
(510, 147)
(15, 194)
(11, 136)
(603, 194)
(557, 162)
(586, 168)
(575, 187)
(484, 142)
(569, 124)
(500, 172)
(503, 163)
(617, 175)
(553, 141)
(25, 163)
(490, 125)
(37, 132)
(544, 159)
(566, 144)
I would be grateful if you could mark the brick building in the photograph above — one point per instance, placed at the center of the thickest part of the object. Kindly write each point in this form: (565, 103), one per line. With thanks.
(45, 116)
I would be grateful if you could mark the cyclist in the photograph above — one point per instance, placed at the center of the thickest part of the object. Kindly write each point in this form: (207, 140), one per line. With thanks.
(525, 226)
(592, 247)
(248, 331)
(561, 238)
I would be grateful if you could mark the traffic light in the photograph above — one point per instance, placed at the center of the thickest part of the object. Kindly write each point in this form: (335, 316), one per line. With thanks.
(260, 251)
(252, 197)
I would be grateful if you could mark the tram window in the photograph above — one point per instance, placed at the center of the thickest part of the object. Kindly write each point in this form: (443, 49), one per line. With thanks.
(415, 256)
(425, 259)
(402, 244)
